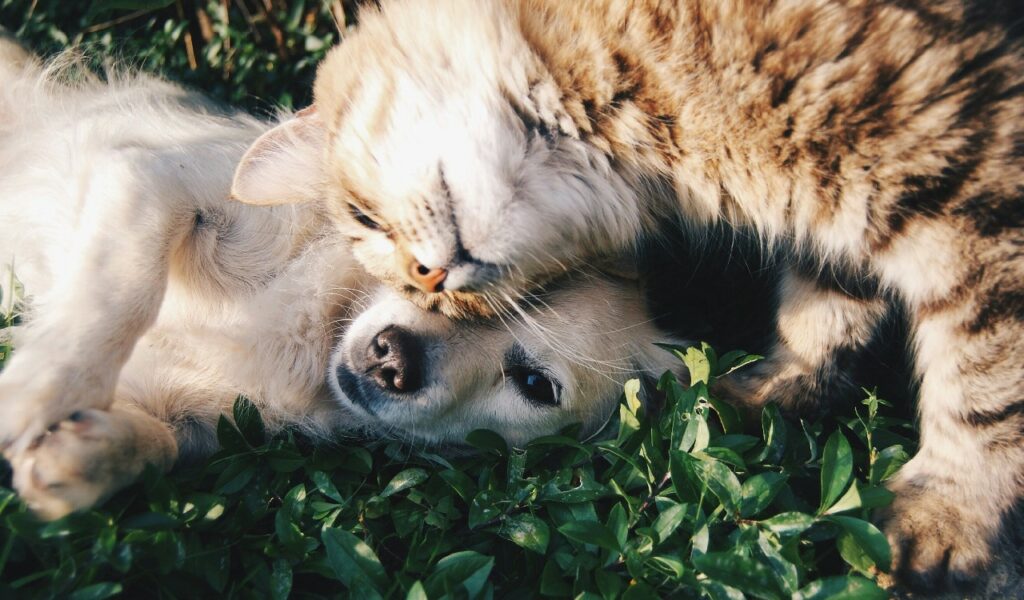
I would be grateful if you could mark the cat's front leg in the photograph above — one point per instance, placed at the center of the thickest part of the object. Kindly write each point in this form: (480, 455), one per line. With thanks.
(110, 274)
(954, 496)
(820, 331)
(85, 458)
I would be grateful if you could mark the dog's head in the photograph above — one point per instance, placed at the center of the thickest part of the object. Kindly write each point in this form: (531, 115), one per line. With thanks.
(419, 376)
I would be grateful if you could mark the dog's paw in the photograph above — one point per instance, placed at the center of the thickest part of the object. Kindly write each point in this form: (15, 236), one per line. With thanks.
(937, 543)
(74, 465)
(33, 396)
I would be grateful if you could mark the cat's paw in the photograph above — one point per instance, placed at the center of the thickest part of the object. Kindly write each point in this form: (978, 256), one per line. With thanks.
(791, 388)
(74, 465)
(937, 543)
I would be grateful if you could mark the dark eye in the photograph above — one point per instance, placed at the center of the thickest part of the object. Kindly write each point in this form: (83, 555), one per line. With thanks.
(535, 386)
(363, 219)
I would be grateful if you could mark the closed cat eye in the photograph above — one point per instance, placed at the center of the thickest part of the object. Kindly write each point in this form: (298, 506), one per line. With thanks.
(362, 218)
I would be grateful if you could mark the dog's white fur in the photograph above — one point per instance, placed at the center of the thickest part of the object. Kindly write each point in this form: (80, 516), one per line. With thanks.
(154, 301)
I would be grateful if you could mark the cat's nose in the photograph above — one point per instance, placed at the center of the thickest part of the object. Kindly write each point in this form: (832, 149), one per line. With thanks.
(426, 279)
(394, 360)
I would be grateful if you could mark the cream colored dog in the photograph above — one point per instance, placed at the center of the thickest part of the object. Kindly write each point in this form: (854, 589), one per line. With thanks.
(154, 301)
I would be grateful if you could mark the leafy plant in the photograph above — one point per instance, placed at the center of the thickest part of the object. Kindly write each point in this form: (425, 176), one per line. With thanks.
(681, 503)
(260, 54)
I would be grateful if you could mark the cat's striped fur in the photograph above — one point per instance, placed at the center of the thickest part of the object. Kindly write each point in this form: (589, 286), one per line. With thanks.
(879, 143)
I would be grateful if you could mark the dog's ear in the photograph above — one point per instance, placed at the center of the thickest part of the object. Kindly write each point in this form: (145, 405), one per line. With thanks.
(283, 166)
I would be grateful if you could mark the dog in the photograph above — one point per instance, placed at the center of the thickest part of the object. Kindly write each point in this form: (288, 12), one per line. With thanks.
(152, 301)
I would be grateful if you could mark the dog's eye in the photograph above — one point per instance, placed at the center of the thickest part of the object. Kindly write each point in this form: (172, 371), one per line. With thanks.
(535, 386)
(362, 217)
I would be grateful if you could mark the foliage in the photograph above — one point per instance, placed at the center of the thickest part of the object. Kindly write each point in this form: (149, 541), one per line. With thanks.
(259, 54)
(682, 504)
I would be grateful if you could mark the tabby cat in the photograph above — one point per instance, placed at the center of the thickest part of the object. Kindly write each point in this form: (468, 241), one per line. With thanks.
(473, 149)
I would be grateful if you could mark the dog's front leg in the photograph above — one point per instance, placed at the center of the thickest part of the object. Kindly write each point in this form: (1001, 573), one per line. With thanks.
(82, 460)
(107, 289)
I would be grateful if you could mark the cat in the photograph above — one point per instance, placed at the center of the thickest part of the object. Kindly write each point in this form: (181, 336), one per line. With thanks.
(471, 151)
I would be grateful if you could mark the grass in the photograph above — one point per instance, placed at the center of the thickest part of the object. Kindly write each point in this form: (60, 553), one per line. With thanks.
(682, 503)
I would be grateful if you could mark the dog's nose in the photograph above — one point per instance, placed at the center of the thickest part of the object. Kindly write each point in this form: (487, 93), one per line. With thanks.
(395, 360)
(426, 279)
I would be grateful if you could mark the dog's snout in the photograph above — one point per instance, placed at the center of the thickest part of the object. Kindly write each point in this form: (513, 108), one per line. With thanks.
(395, 360)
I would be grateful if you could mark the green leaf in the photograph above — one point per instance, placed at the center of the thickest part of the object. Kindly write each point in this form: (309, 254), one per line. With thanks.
(236, 476)
(230, 438)
(640, 591)
(487, 441)
(484, 507)
(404, 480)
(858, 497)
(758, 491)
(788, 524)
(628, 425)
(467, 569)
(591, 532)
(730, 361)
(743, 573)
(727, 415)
(552, 583)
(725, 455)
(852, 553)
(459, 482)
(326, 487)
(416, 592)
(887, 463)
(669, 519)
(632, 392)
(281, 580)
(848, 587)
(773, 428)
(868, 538)
(526, 531)
(618, 524)
(685, 480)
(608, 583)
(354, 563)
(248, 421)
(719, 591)
(96, 591)
(875, 496)
(697, 363)
(784, 569)
(836, 469)
(672, 566)
(722, 482)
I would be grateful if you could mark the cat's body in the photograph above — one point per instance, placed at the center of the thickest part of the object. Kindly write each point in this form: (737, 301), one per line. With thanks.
(474, 149)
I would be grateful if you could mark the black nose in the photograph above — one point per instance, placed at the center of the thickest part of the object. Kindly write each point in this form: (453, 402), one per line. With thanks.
(394, 360)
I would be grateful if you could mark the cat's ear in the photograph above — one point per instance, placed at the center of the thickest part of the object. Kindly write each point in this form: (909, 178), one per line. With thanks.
(284, 165)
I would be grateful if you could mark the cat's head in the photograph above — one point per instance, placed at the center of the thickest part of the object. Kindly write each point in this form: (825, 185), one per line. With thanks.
(416, 375)
(442, 151)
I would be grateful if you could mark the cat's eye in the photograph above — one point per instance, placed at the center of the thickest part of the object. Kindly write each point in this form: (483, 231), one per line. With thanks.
(362, 218)
(535, 386)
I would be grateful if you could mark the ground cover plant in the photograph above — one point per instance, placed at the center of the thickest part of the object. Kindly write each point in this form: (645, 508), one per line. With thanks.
(675, 504)
(681, 502)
